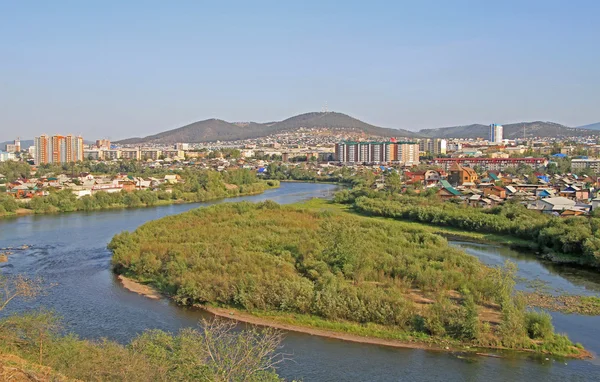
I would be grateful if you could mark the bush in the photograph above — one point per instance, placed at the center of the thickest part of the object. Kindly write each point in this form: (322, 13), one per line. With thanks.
(539, 325)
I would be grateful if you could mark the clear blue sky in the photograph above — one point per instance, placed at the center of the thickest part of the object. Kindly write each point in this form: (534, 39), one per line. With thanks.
(132, 68)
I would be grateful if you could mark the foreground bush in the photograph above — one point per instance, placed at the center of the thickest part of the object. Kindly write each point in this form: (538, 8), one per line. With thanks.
(214, 352)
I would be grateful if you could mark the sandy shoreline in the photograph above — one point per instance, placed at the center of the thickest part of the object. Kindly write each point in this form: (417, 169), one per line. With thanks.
(240, 316)
(136, 287)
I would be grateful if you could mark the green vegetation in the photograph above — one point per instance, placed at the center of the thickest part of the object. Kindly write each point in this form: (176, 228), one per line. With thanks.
(14, 170)
(197, 186)
(569, 240)
(334, 266)
(214, 352)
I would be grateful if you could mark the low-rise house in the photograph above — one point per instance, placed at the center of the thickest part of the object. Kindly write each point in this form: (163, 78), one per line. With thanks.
(81, 191)
(460, 175)
(500, 192)
(172, 178)
(573, 212)
(555, 204)
(447, 191)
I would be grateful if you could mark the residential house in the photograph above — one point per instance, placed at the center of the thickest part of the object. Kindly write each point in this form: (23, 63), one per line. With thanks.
(447, 191)
(460, 175)
(549, 205)
(500, 192)
(172, 178)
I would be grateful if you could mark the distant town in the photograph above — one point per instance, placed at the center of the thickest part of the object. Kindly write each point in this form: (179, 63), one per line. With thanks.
(558, 176)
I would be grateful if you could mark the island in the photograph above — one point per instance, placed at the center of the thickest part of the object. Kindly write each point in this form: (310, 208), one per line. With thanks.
(320, 268)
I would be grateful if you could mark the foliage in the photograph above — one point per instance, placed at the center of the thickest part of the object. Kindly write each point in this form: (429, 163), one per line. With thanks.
(539, 325)
(577, 237)
(14, 170)
(337, 266)
(197, 186)
(216, 352)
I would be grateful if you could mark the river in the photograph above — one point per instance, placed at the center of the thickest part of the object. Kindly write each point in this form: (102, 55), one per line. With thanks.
(69, 250)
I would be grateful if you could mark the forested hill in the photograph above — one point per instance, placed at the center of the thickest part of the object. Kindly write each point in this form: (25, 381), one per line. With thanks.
(211, 130)
(511, 131)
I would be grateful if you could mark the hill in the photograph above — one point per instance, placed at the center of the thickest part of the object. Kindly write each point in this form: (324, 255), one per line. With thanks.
(211, 130)
(511, 131)
(593, 126)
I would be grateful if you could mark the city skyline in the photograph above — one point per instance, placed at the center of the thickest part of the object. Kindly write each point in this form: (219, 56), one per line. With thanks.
(140, 68)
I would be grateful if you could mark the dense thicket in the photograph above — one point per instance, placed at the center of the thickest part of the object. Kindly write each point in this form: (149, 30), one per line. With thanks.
(333, 265)
(577, 237)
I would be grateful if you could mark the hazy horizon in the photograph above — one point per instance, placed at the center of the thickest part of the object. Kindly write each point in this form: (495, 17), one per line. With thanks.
(112, 70)
(94, 137)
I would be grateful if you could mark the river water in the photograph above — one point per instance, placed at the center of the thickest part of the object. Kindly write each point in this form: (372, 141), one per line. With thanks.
(69, 250)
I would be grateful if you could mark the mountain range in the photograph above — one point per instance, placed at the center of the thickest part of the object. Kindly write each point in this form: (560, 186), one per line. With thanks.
(211, 130)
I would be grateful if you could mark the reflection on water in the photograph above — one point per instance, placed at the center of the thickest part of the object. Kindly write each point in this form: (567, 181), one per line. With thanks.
(70, 250)
(554, 278)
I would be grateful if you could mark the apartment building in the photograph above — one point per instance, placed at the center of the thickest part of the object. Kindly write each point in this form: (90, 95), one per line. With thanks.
(377, 152)
(58, 149)
(497, 164)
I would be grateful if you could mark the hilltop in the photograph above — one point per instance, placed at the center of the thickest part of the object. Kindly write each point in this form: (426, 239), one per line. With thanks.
(511, 131)
(218, 130)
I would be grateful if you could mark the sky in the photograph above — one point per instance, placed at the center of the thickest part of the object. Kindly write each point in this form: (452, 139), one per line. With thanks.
(118, 69)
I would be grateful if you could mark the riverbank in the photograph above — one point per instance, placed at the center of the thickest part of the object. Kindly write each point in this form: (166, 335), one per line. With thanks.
(16, 369)
(26, 212)
(139, 288)
(344, 331)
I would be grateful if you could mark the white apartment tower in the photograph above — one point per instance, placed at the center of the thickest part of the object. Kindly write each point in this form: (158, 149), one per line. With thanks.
(496, 132)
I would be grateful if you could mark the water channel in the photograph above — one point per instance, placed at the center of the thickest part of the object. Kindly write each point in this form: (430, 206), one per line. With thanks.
(69, 250)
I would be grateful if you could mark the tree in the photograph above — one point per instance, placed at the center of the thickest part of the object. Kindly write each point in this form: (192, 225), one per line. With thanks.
(15, 287)
(239, 356)
(393, 183)
(132, 200)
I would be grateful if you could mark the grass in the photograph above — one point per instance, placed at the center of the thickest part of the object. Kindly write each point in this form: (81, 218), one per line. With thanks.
(362, 330)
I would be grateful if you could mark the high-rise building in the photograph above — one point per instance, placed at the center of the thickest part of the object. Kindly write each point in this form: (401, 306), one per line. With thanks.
(103, 144)
(496, 132)
(58, 149)
(377, 152)
(407, 152)
(14, 147)
(42, 150)
(437, 146)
